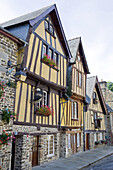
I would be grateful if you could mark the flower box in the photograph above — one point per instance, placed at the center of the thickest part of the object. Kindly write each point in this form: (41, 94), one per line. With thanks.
(44, 111)
(47, 60)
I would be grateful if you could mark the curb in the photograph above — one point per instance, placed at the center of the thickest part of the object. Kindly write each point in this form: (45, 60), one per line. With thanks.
(95, 161)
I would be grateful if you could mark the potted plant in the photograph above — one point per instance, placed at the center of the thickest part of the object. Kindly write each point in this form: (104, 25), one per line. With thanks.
(5, 138)
(8, 114)
(45, 110)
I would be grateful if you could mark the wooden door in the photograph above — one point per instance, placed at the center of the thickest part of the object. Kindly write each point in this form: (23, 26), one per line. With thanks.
(35, 151)
(74, 143)
(87, 141)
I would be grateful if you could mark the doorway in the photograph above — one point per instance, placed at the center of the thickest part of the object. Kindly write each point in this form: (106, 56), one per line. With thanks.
(35, 151)
(87, 141)
(74, 143)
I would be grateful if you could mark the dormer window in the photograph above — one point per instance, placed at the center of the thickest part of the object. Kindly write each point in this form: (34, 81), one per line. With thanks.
(95, 98)
(49, 28)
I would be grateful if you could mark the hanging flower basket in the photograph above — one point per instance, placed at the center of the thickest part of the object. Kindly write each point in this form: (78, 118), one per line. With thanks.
(45, 111)
(5, 138)
(8, 114)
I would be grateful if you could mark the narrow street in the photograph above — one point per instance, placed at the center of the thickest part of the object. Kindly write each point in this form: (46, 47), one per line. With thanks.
(104, 164)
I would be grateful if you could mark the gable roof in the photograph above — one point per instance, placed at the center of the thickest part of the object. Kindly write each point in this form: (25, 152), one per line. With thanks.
(26, 17)
(75, 44)
(109, 108)
(35, 17)
(91, 83)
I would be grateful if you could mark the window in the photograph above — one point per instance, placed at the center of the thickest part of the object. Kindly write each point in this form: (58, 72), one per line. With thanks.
(69, 142)
(78, 79)
(101, 136)
(47, 25)
(78, 139)
(44, 50)
(56, 58)
(50, 145)
(44, 98)
(78, 58)
(40, 101)
(74, 110)
(50, 54)
(95, 119)
(51, 29)
(95, 98)
(95, 137)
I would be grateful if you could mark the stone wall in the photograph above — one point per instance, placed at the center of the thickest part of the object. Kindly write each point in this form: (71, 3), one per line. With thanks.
(8, 50)
(23, 148)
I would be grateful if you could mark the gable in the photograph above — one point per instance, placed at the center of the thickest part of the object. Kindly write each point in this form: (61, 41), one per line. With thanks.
(97, 107)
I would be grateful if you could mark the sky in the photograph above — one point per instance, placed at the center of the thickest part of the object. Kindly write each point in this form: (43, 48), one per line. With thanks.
(89, 19)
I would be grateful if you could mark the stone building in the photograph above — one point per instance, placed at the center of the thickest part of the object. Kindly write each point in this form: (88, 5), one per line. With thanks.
(95, 117)
(9, 45)
(108, 97)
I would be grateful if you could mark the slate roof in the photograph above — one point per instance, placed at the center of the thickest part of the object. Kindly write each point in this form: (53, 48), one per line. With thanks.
(90, 84)
(6, 31)
(109, 108)
(74, 45)
(25, 17)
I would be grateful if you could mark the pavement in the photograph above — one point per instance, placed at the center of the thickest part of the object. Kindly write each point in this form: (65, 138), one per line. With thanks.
(77, 161)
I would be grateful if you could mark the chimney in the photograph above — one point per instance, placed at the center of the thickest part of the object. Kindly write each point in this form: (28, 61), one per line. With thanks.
(103, 84)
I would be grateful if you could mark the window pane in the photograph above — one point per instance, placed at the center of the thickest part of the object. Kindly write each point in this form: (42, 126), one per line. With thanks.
(69, 146)
(77, 78)
(72, 109)
(78, 139)
(44, 98)
(80, 79)
(51, 29)
(50, 53)
(75, 110)
(47, 25)
(44, 50)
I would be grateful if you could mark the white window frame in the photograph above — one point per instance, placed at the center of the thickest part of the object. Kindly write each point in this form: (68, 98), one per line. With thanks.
(74, 110)
(39, 102)
(44, 50)
(78, 139)
(95, 137)
(101, 136)
(44, 98)
(50, 52)
(50, 155)
(46, 23)
(69, 141)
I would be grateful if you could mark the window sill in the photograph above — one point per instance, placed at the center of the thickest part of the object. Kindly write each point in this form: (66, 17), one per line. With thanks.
(50, 33)
(50, 65)
(74, 119)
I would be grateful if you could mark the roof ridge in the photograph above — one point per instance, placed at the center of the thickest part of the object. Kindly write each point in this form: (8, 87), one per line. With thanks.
(46, 7)
(74, 38)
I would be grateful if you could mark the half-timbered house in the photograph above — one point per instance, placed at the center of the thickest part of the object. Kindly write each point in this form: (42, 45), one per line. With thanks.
(71, 116)
(95, 116)
(42, 74)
